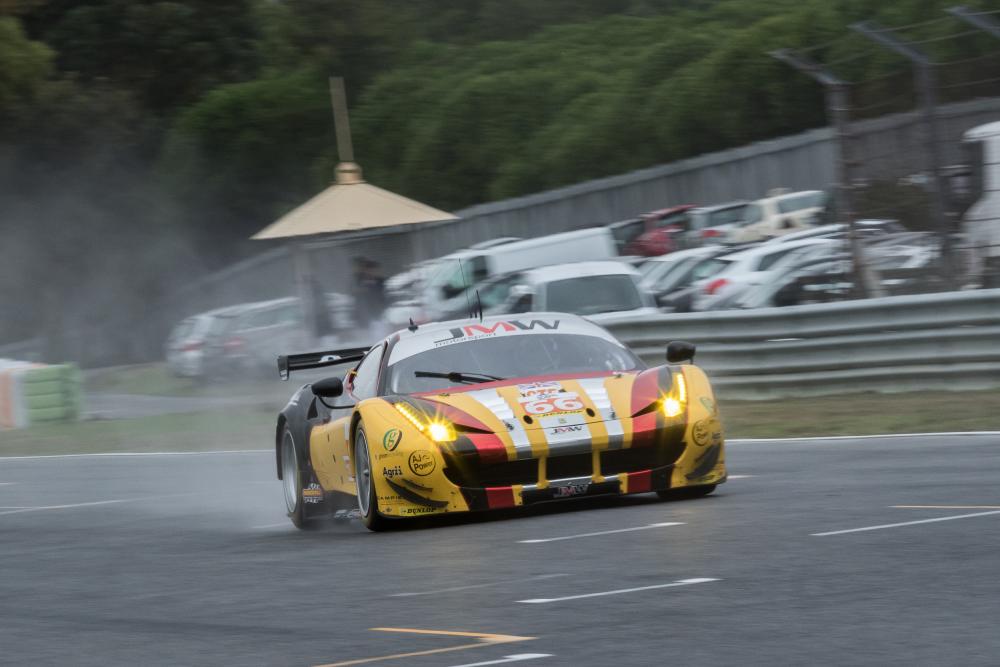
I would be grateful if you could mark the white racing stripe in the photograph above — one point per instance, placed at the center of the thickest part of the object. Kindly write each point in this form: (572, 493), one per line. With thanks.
(517, 657)
(674, 584)
(597, 391)
(471, 586)
(904, 523)
(492, 401)
(603, 532)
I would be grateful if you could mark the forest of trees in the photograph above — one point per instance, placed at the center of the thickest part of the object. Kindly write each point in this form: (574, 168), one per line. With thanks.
(141, 143)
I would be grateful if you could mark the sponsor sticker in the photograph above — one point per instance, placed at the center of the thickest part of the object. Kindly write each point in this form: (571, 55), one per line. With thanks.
(705, 431)
(391, 439)
(422, 463)
(394, 471)
(570, 490)
(312, 494)
(477, 331)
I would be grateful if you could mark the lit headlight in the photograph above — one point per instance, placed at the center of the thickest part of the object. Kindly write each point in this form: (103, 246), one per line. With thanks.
(672, 407)
(438, 431)
(673, 404)
(441, 431)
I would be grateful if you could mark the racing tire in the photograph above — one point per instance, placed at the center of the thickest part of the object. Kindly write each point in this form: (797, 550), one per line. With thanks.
(291, 480)
(686, 492)
(367, 498)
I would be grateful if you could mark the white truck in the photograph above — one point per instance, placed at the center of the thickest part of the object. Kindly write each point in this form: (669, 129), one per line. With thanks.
(981, 223)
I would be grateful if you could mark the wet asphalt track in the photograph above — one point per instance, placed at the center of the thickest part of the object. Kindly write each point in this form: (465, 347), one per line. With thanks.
(176, 561)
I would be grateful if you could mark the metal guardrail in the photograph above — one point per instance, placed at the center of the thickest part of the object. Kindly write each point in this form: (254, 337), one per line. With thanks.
(942, 341)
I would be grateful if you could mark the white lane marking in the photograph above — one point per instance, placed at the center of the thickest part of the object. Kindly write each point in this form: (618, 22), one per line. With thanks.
(673, 584)
(603, 532)
(286, 522)
(79, 456)
(517, 657)
(904, 523)
(470, 586)
(7, 483)
(739, 476)
(64, 507)
(813, 438)
(946, 507)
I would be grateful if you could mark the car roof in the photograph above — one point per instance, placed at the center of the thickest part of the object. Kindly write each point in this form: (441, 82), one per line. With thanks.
(767, 249)
(706, 250)
(721, 207)
(438, 334)
(548, 274)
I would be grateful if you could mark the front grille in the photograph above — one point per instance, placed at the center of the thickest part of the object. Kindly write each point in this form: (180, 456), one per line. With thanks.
(480, 475)
(634, 459)
(574, 465)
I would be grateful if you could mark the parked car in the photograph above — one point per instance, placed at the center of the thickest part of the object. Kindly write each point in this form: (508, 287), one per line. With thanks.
(755, 266)
(249, 342)
(189, 343)
(779, 213)
(662, 231)
(711, 224)
(594, 290)
(663, 276)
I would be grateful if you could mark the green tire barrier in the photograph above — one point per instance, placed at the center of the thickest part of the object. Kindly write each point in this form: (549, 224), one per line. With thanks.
(35, 394)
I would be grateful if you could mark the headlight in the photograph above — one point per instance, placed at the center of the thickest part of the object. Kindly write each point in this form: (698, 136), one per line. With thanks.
(672, 407)
(438, 431)
(441, 431)
(674, 403)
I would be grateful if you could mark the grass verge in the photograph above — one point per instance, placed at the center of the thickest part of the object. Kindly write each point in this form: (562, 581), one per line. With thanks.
(863, 414)
(235, 428)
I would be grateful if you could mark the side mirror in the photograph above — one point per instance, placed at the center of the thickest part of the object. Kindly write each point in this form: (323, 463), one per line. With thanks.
(679, 351)
(328, 388)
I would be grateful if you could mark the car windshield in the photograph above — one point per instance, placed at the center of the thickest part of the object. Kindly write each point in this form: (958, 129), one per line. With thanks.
(589, 295)
(508, 357)
(727, 216)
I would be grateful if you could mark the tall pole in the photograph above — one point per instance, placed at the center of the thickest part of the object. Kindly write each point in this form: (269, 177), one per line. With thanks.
(838, 110)
(926, 84)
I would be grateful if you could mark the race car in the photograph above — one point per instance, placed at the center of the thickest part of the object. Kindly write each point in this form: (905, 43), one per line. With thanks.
(493, 413)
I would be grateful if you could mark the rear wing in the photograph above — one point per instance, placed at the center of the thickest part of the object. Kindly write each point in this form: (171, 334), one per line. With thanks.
(300, 362)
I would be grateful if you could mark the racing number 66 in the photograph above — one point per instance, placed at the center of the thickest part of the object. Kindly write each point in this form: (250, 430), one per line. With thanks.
(547, 405)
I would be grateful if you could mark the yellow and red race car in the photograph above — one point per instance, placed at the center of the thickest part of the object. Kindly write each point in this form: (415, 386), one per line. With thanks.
(502, 412)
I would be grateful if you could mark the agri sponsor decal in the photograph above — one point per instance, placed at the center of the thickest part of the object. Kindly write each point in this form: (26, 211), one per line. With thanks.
(478, 331)
(422, 463)
(394, 471)
(391, 439)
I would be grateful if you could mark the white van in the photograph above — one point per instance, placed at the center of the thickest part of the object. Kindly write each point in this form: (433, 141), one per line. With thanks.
(447, 287)
(781, 212)
(981, 223)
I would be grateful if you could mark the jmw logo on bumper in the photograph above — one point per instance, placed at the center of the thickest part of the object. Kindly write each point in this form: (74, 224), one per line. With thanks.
(488, 330)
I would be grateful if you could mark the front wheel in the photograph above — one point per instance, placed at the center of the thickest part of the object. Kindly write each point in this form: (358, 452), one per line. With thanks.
(367, 499)
(686, 492)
